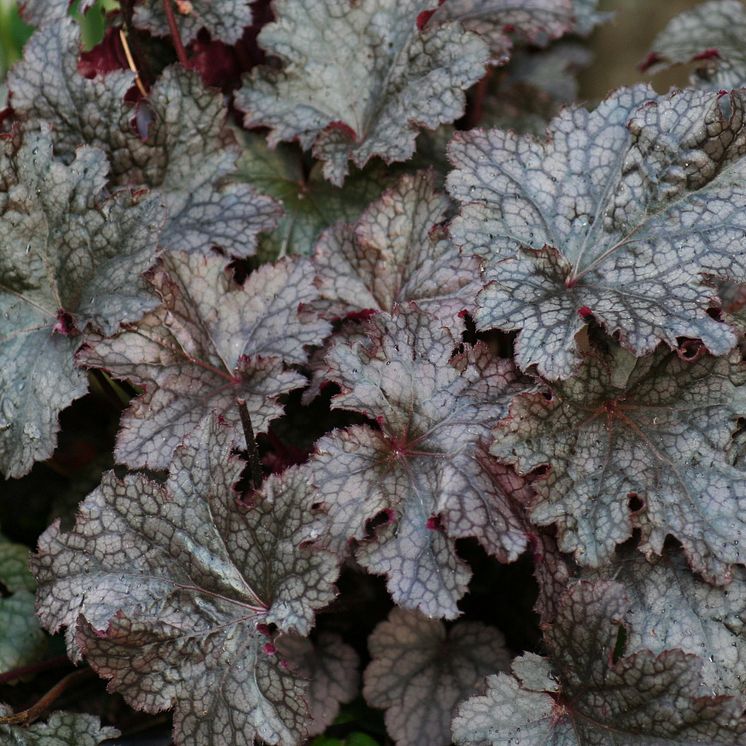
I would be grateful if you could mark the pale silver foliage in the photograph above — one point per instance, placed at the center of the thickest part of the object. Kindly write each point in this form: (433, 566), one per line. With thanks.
(359, 78)
(225, 20)
(41, 12)
(673, 608)
(426, 467)
(535, 22)
(398, 251)
(623, 213)
(657, 428)
(181, 148)
(598, 692)
(59, 729)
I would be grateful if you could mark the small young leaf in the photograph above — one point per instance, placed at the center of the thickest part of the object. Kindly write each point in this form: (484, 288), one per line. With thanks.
(331, 666)
(425, 468)
(70, 259)
(223, 19)
(619, 214)
(60, 729)
(420, 672)
(659, 431)
(398, 251)
(592, 698)
(360, 78)
(310, 202)
(210, 342)
(714, 35)
(170, 582)
(187, 154)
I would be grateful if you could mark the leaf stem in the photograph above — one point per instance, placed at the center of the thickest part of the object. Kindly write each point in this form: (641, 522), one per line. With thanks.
(112, 393)
(46, 665)
(175, 35)
(42, 705)
(131, 62)
(476, 110)
(254, 464)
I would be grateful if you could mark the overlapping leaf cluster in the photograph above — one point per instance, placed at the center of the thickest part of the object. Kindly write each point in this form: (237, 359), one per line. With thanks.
(533, 338)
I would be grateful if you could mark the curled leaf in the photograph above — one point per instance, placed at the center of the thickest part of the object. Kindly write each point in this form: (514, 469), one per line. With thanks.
(71, 260)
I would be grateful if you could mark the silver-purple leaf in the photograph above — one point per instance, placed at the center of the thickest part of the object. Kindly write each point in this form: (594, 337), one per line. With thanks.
(425, 468)
(535, 22)
(657, 428)
(628, 213)
(511, 713)
(420, 672)
(225, 20)
(331, 666)
(163, 587)
(713, 35)
(671, 607)
(181, 147)
(599, 690)
(359, 78)
(209, 343)
(59, 729)
(71, 259)
(398, 251)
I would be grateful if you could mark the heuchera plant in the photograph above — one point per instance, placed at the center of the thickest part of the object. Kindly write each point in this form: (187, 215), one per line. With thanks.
(357, 387)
